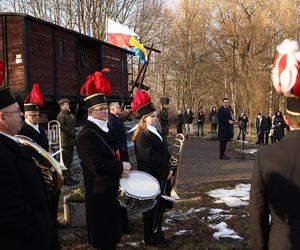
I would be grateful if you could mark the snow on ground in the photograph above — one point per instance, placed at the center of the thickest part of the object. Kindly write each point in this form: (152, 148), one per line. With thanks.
(223, 231)
(235, 197)
(184, 232)
(250, 151)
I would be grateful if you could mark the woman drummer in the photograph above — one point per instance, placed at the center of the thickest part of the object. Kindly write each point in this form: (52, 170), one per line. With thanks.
(152, 157)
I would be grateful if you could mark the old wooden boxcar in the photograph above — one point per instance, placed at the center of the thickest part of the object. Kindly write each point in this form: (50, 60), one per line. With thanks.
(57, 58)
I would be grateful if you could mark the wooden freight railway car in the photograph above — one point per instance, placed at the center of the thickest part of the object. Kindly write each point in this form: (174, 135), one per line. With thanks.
(57, 58)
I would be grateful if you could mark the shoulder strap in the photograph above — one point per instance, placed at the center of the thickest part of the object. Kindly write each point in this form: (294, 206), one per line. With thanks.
(104, 142)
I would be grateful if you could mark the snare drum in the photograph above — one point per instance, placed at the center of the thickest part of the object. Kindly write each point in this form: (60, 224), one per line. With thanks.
(139, 191)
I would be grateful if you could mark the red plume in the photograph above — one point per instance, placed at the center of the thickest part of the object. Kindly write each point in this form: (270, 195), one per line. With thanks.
(2, 72)
(35, 95)
(96, 83)
(141, 98)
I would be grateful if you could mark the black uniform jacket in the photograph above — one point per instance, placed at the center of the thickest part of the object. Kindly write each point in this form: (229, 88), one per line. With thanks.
(101, 172)
(275, 190)
(25, 219)
(117, 129)
(152, 155)
(40, 138)
(224, 127)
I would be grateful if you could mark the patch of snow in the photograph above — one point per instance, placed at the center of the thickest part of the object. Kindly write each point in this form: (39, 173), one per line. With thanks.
(134, 244)
(183, 232)
(168, 221)
(224, 232)
(232, 197)
(250, 151)
(165, 228)
(216, 210)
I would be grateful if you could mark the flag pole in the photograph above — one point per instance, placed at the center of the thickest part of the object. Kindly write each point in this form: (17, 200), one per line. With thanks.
(106, 26)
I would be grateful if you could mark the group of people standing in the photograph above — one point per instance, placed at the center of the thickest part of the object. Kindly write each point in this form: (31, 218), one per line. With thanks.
(186, 121)
(272, 127)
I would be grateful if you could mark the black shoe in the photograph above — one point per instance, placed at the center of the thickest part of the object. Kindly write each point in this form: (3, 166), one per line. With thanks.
(155, 243)
(60, 225)
(165, 241)
(224, 157)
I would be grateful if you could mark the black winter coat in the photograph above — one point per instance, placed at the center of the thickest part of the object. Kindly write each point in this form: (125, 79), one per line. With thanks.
(153, 157)
(25, 218)
(40, 138)
(224, 130)
(106, 219)
(275, 190)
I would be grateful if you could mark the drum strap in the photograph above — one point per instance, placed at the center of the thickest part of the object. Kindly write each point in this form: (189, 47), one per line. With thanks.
(105, 143)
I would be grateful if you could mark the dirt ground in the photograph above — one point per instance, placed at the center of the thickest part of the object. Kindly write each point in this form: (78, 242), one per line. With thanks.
(187, 229)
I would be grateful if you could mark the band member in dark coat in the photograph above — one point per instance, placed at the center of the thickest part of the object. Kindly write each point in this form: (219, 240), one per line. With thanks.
(103, 163)
(274, 202)
(116, 125)
(225, 122)
(275, 186)
(31, 129)
(25, 218)
(152, 157)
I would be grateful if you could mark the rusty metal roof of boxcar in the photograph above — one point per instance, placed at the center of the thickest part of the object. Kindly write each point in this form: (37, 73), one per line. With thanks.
(65, 29)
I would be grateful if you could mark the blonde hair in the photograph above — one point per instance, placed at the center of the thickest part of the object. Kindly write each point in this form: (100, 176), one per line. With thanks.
(142, 127)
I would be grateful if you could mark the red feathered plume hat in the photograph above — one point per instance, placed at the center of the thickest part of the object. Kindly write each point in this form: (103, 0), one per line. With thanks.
(35, 99)
(142, 104)
(286, 77)
(97, 86)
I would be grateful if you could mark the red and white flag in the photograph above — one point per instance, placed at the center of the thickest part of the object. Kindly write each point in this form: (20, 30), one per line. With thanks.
(119, 34)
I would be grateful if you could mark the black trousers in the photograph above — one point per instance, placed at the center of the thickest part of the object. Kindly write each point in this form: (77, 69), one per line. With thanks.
(222, 148)
(179, 128)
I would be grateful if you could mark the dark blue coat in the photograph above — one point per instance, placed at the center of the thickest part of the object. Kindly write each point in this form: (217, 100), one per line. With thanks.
(224, 127)
(117, 129)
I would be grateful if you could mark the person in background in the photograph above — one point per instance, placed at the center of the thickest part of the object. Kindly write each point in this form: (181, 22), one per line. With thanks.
(200, 123)
(152, 156)
(116, 125)
(279, 126)
(188, 120)
(31, 129)
(259, 132)
(179, 121)
(266, 125)
(213, 117)
(224, 130)
(25, 217)
(164, 116)
(242, 124)
(68, 135)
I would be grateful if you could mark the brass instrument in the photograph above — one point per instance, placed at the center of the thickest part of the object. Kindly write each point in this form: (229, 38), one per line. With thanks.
(175, 161)
(54, 137)
(49, 167)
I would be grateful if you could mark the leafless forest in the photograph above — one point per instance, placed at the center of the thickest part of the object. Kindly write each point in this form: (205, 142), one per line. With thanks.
(209, 48)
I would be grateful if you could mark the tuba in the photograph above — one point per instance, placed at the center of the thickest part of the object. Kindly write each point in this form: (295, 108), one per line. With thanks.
(49, 167)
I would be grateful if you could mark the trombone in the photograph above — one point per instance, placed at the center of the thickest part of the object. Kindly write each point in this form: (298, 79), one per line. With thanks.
(175, 161)
(54, 137)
